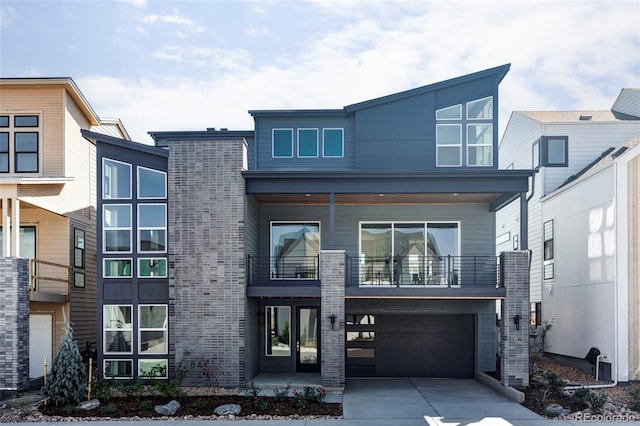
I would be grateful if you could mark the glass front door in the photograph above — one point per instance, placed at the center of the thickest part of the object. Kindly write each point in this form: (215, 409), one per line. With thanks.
(308, 342)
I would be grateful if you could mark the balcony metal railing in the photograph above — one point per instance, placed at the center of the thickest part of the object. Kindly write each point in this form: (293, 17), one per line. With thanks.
(412, 270)
(49, 281)
(260, 270)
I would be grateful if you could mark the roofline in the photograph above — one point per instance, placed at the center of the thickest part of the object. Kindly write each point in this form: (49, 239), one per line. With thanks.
(65, 82)
(499, 71)
(440, 174)
(118, 123)
(210, 133)
(299, 112)
(124, 143)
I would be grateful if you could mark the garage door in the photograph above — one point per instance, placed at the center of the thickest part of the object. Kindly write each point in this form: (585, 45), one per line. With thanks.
(417, 346)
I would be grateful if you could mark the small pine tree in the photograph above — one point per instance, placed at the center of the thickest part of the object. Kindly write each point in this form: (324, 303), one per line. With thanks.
(67, 383)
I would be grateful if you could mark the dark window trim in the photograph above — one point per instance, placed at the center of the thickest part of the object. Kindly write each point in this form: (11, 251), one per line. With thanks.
(542, 145)
(78, 232)
(16, 153)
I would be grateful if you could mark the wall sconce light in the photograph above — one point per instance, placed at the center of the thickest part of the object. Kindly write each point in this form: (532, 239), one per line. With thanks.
(332, 318)
(260, 318)
(516, 321)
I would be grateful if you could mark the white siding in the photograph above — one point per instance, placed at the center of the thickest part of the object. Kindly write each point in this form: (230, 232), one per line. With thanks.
(515, 146)
(581, 297)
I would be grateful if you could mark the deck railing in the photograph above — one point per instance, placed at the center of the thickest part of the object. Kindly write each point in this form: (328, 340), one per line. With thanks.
(49, 281)
(261, 270)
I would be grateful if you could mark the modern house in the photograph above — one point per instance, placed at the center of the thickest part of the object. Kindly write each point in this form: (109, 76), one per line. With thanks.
(48, 225)
(357, 241)
(583, 228)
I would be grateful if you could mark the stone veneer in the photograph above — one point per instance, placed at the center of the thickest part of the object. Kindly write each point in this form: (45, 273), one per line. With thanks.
(14, 325)
(207, 262)
(514, 343)
(332, 274)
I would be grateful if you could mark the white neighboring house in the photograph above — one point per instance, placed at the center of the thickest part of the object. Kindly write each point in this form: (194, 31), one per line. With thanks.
(583, 227)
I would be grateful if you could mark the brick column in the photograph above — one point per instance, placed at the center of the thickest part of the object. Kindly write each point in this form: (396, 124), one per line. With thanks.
(332, 276)
(14, 325)
(207, 261)
(514, 343)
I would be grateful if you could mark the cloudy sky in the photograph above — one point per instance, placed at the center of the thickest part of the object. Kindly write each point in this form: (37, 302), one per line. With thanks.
(189, 65)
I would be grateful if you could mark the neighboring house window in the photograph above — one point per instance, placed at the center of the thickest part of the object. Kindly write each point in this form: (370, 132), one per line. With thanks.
(116, 179)
(295, 248)
(118, 369)
(278, 331)
(307, 142)
(116, 268)
(27, 242)
(117, 323)
(152, 228)
(478, 138)
(548, 250)
(282, 143)
(409, 253)
(551, 151)
(116, 228)
(151, 183)
(535, 316)
(20, 140)
(333, 142)
(153, 368)
(78, 257)
(152, 267)
(152, 328)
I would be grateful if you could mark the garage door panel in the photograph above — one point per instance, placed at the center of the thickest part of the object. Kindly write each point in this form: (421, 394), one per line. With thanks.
(425, 346)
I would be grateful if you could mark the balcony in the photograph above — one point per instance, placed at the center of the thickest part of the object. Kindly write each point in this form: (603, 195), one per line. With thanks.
(49, 281)
(423, 271)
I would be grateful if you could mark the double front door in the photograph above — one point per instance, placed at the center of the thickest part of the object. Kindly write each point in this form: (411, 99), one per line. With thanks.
(308, 340)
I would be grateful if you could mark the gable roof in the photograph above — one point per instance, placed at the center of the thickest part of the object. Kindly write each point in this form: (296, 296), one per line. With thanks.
(125, 143)
(580, 116)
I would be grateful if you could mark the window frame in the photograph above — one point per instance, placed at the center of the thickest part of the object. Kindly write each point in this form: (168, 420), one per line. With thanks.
(317, 150)
(104, 369)
(139, 180)
(273, 142)
(11, 128)
(103, 175)
(156, 360)
(144, 277)
(5, 153)
(17, 153)
(79, 248)
(117, 228)
(106, 329)
(479, 145)
(272, 257)
(269, 329)
(540, 152)
(548, 250)
(151, 228)
(324, 142)
(449, 145)
(110, 259)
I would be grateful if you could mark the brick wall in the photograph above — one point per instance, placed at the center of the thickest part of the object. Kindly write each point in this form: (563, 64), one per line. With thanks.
(332, 274)
(207, 262)
(14, 325)
(514, 343)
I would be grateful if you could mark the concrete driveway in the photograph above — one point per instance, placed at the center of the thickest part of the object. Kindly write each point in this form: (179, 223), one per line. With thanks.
(431, 402)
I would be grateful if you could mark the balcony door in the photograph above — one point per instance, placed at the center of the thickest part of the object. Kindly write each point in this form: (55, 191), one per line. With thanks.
(308, 340)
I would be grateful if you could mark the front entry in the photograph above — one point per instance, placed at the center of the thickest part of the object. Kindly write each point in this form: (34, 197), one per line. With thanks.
(308, 341)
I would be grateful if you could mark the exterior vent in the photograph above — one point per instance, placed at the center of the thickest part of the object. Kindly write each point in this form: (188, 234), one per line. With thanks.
(585, 118)
(619, 152)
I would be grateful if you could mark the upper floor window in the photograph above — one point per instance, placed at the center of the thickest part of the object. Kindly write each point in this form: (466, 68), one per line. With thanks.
(294, 250)
(117, 326)
(151, 183)
(333, 142)
(467, 125)
(152, 228)
(550, 151)
(116, 179)
(20, 141)
(282, 143)
(116, 228)
(307, 142)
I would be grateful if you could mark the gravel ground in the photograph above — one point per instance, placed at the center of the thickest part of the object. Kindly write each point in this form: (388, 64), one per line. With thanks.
(619, 398)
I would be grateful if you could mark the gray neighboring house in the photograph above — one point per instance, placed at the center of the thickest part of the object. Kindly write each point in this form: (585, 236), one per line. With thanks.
(357, 241)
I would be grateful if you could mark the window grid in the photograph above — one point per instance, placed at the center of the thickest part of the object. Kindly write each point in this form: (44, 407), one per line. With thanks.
(150, 232)
(109, 215)
(20, 143)
(117, 325)
(151, 329)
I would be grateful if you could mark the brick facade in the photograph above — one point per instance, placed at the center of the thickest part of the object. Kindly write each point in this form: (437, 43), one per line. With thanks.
(332, 273)
(207, 261)
(514, 340)
(14, 325)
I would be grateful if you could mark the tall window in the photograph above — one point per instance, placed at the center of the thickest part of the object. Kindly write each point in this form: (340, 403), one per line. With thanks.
(116, 180)
(78, 257)
(278, 331)
(282, 143)
(152, 228)
(476, 118)
(116, 220)
(548, 250)
(333, 142)
(294, 250)
(152, 326)
(19, 143)
(307, 142)
(117, 327)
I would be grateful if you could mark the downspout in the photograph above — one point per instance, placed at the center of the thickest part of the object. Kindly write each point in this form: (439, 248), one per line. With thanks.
(615, 311)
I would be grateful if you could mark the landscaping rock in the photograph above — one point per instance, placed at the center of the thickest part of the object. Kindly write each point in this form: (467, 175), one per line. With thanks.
(557, 410)
(89, 405)
(168, 409)
(227, 410)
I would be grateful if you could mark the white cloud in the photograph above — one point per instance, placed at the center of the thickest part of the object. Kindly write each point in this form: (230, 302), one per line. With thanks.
(574, 55)
(176, 19)
(6, 15)
(136, 3)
